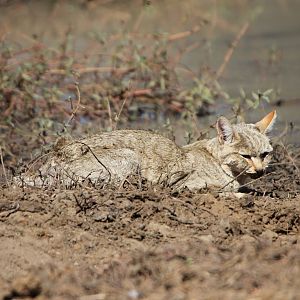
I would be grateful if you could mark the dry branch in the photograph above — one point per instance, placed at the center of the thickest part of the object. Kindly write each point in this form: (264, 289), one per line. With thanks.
(3, 167)
(184, 34)
(229, 52)
(74, 111)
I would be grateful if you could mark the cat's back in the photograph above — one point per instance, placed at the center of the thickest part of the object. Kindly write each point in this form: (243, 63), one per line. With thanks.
(113, 155)
(144, 143)
(147, 149)
(129, 138)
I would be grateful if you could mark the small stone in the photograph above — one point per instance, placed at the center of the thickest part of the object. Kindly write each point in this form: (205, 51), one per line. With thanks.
(101, 217)
(207, 238)
(134, 294)
(269, 235)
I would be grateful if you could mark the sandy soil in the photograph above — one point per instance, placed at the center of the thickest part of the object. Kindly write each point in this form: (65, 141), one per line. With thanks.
(148, 243)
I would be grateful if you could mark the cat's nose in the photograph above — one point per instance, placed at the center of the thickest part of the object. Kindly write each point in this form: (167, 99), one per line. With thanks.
(259, 173)
(257, 164)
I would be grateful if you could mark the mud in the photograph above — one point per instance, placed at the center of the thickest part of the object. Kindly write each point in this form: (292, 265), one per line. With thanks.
(149, 243)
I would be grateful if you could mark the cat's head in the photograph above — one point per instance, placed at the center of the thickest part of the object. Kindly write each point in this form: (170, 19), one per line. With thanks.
(246, 148)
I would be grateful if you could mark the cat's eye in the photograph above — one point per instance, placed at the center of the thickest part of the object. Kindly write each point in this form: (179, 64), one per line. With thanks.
(247, 156)
(264, 154)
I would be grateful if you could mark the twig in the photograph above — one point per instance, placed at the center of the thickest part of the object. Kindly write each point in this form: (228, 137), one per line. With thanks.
(170, 38)
(74, 111)
(141, 92)
(181, 35)
(78, 204)
(229, 52)
(254, 180)
(117, 118)
(3, 167)
(103, 165)
(231, 181)
(109, 112)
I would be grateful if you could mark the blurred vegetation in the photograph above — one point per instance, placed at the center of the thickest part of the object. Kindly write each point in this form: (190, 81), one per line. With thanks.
(51, 89)
(38, 85)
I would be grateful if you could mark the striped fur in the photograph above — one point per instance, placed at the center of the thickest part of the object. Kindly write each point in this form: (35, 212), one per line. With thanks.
(221, 163)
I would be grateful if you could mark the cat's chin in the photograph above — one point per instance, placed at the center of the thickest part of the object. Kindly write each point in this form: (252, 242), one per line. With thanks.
(256, 175)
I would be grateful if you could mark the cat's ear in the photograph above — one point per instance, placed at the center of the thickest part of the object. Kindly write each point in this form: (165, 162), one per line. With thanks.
(225, 131)
(265, 125)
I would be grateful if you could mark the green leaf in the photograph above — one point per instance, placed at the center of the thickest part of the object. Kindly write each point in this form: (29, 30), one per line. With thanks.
(151, 84)
(26, 77)
(268, 92)
(266, 98)
(189, 98)
(256, 103)
(249, 102)
(162, 83)
(242, 93)
(255, 96)
(96, 97)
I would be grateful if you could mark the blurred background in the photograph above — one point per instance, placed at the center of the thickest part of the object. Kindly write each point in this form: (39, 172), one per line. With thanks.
(78, 67)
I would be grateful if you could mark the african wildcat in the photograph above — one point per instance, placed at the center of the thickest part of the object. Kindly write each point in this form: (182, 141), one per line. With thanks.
(221, 163)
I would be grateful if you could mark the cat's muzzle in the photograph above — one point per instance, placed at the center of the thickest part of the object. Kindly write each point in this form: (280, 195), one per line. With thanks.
(257, 174)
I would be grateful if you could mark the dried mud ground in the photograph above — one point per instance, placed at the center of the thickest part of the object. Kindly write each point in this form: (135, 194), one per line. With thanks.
(93, 244)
